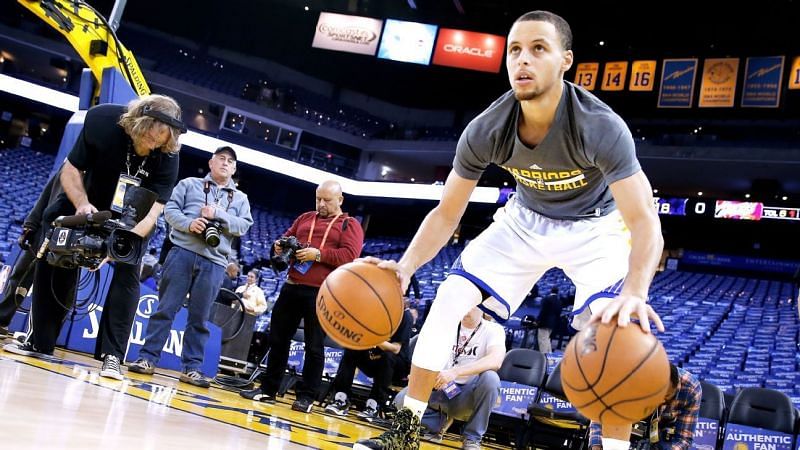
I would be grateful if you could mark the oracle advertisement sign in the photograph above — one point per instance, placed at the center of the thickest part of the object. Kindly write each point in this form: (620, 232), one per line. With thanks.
(345, 33)
(469, 50)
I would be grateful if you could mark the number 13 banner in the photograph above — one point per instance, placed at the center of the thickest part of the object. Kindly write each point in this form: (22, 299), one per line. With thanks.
(586, 75)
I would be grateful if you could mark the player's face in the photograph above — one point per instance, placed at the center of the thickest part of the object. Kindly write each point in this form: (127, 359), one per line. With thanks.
(535, 59)
(329, 202)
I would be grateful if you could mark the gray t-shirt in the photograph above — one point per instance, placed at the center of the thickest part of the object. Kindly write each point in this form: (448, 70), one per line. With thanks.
(567, 175)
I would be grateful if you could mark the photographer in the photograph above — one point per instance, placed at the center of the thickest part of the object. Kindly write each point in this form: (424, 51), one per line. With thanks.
(136, 145)
(329, 238)
(672, 425)
(205, 214)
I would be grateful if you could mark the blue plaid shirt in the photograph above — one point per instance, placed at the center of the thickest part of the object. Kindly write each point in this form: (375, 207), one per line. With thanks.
(678, 416)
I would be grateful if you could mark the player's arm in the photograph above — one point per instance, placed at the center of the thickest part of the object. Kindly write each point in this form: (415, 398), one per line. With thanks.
(634, 198)
(147, 224)
(392, 347)
(438, 226)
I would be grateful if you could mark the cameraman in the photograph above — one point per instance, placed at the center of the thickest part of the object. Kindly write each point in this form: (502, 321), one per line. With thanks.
(329, 238)
(672, 425)
(135, 144)
(205, 215)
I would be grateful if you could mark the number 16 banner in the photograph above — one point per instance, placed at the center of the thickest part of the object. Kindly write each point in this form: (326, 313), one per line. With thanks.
(643, 74)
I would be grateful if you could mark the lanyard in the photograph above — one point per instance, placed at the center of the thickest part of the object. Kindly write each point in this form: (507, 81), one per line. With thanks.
(207, 188)
(327, 230)
(140, 170)
(460, 349)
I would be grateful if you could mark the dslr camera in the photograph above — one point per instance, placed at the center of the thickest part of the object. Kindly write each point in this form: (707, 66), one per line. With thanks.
(212, 232)
(288, 245)
(85, 240)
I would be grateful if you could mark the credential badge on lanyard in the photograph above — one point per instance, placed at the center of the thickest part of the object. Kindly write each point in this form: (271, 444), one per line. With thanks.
(125, 180)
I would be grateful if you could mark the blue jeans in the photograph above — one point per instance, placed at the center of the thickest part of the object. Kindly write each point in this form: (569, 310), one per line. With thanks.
(472, 405)
(185, 272)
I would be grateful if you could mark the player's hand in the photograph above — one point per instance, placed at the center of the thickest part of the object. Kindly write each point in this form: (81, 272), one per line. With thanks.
(198, 225)
(86, 208)
(624, 306)
(403, 273)
(444, 378)
(306, 254)
(208, 212)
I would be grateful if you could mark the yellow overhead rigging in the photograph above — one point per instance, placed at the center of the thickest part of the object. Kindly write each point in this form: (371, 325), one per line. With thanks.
(92, 37)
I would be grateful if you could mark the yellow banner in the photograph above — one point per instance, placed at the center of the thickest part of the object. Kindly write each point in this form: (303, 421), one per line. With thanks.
(718, 88)
(586, 75)
(794, 75)
(614, 76)
(643, 74)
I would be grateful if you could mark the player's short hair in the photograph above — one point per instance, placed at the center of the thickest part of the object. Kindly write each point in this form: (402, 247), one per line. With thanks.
(137, 124)
(562, 27)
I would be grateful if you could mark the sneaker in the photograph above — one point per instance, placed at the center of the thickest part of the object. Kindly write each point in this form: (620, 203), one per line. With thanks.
(403, 435)
(258, 395)
(303, 405)
(22, 348)
(4, 332)
(111, 368)
(339, 406)
(142, 365)
(438, 436)
(370, 412)
(194, 377)
(471, 444)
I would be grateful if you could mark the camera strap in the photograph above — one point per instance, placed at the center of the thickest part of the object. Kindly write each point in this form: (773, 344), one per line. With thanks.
(327, 230)
(461, 348)
(207, 189)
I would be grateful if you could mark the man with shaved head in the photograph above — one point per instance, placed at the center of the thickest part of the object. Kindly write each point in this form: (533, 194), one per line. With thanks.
(329, 238)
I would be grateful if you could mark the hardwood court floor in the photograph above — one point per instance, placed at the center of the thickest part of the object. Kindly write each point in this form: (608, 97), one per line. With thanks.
(62, 403)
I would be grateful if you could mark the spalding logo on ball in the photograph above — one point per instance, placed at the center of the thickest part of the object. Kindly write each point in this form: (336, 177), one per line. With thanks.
(360, 305)
(615, 375)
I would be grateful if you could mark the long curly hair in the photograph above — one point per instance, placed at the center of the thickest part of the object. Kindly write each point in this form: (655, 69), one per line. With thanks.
(136, 124)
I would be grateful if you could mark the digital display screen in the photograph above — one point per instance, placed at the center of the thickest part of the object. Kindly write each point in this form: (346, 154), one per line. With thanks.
(345, 33)
(729, 209)
(407, 41)
(671, 206)
(469, 50)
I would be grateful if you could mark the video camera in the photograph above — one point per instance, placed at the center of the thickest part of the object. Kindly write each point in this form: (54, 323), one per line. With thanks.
(288, 245)
(85, 240)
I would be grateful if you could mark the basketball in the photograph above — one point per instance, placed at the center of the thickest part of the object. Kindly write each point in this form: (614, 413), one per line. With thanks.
(360, 305)
(615, 375)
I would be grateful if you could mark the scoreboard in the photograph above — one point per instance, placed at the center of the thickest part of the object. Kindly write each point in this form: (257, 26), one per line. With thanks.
(722, 209)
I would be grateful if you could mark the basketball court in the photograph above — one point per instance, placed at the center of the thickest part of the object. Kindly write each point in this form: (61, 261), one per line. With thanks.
(62, 403)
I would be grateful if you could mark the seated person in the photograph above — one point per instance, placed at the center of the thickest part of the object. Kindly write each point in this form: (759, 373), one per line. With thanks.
(675, 419)
(389, 360)
(252, 295)
(468, 387)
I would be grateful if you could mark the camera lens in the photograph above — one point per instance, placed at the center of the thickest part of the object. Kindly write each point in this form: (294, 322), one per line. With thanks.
(123, 248)
(212, 235)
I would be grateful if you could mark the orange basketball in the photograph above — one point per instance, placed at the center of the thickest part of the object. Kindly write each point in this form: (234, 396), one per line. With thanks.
(360, 305)
(615, 375)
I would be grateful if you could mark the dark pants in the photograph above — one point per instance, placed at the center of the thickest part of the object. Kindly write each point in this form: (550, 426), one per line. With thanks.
(21, 277)
(54, 294)
(295, 302)
(381, 366)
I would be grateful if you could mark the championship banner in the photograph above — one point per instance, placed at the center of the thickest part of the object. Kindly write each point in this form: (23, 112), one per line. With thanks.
(345, 33)
(586, 75)
(762, 82)
(794, 75)
(739, 437)
(677, 83)
(514, 399)
(718, 87)
(614, 76)
(642, 75)
(469, 50)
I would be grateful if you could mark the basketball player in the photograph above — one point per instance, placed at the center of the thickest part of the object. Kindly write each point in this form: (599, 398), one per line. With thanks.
(582, 204)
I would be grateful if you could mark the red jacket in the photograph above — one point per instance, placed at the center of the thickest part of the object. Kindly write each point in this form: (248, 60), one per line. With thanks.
(343, 245)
